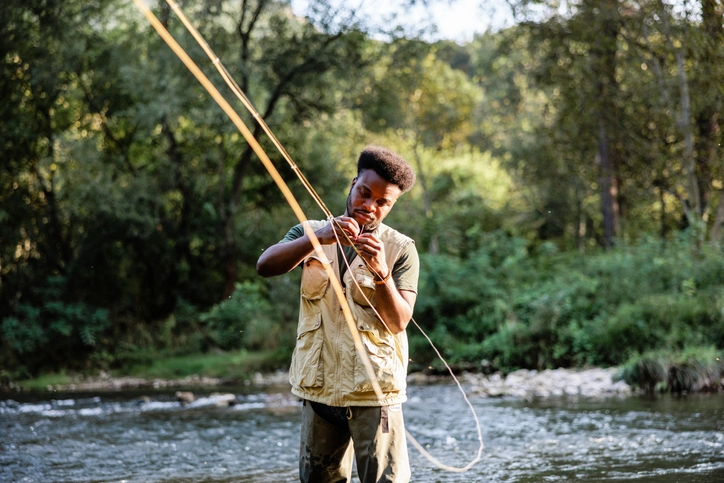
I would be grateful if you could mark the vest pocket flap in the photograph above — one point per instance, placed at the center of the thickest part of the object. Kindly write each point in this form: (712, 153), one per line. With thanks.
(381, 352)
(375, 333)
(307, 369)
(309, 324)
(315, 278)
(363, 290)
(316, 258)
(364, 277)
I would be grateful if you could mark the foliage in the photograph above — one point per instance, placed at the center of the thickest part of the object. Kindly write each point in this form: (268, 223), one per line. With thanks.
(244, 320)
(696, 368)
(132, 213)
(53, 333)
(546, 309)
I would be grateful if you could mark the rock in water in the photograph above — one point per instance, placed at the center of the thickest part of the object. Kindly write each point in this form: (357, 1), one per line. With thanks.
(185, 397)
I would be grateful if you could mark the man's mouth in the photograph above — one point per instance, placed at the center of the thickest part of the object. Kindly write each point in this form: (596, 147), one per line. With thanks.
(366, 218)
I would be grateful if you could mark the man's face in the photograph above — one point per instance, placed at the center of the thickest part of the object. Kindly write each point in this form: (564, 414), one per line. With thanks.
(370, 199)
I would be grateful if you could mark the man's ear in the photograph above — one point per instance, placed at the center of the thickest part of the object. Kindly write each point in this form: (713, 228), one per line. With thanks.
(353, 182)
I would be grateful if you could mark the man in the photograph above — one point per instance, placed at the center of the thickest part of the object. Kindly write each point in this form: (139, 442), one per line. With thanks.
(342, 416)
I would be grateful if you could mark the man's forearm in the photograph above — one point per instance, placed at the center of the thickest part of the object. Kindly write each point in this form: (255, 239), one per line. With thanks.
(283, 257)
(394, 306)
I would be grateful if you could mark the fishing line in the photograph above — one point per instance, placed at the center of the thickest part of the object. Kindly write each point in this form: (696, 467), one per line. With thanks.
(410, 437)
(259, 151)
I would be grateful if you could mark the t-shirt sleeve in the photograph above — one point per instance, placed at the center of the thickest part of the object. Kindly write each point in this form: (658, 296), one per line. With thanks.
(407, 269)
(297, 231)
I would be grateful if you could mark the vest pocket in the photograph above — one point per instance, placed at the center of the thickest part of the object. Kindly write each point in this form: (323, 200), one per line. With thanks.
(307, 367)
(383, 358)
(363, 292)
(315, 278)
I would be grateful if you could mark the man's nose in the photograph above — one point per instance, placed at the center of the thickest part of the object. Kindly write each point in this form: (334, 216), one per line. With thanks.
(368, 205)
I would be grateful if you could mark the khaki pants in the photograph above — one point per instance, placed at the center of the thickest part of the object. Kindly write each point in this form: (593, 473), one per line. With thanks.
(378, 440)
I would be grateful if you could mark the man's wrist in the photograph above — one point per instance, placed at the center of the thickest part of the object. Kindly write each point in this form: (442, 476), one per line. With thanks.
(383, 280)
(319, 234)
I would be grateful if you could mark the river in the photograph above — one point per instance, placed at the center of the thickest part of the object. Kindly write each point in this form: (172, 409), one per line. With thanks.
(148, 437)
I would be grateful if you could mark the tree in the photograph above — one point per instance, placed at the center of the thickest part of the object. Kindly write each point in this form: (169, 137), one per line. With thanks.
(122, 184)
(426, 103)
(287, 68)
(580, 53)
(41, 42)
(684, 55)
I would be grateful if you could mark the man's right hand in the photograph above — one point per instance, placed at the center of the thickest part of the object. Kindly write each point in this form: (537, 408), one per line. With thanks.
(337, 229)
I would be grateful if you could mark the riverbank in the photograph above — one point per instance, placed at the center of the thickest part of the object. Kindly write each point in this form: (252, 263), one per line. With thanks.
(595, 382)
(105, 382)
(557, 382)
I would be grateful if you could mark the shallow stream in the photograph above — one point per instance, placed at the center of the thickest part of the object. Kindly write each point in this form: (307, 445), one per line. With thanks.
(149, 437)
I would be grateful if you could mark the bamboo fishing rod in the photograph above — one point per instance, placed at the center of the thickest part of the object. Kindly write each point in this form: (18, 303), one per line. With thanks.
(232, 84)
(288, 195)
(180, 52)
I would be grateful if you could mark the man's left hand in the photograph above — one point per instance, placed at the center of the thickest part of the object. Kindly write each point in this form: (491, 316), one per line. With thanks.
(372, 250)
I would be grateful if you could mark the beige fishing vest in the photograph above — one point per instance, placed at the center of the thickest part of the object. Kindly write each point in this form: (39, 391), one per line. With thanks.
(325, 365)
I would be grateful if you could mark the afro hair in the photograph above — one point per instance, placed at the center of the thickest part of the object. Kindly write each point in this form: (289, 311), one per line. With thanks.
(389, 165)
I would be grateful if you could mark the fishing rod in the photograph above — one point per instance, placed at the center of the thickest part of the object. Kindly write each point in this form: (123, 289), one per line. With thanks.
(259, 151)
(231, 83)
(289, 196)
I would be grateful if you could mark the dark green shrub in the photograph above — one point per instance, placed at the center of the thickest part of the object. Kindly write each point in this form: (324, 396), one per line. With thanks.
(655, 321)
(696, 368)
(232, 323)
(646, 373)
(248, 319)
(548, 309)
(54, 333)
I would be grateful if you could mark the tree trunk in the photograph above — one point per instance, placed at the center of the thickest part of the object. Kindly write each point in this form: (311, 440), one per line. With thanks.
(603, 64)
(231, 273)
(684, 123)
(708, 120)
(426, 202)
(716, 229)
(607, 186)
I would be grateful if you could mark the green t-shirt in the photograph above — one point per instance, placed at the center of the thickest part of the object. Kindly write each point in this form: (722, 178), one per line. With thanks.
(405, 272)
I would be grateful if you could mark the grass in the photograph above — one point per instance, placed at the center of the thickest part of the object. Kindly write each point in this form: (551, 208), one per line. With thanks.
(228, 365)
(232, 365)
(42, 382)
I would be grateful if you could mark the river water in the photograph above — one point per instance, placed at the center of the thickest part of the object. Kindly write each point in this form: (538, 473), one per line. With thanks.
(121, 437)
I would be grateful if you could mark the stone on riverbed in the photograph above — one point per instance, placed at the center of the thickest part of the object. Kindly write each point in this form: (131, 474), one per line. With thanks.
(550, 382)
(185, 397)
(223, 400)
(523, 383)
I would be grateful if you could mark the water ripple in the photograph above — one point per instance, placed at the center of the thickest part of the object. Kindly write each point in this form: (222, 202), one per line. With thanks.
(155, 439)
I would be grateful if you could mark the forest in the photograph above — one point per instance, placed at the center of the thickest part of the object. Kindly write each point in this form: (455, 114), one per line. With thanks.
(568, 210)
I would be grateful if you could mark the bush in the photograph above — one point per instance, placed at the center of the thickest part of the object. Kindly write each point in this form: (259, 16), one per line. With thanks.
(54, 333)
(692, 369)
(247, 319)
(544, 309)
(228, 323)
(655, 321)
